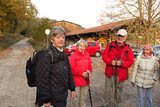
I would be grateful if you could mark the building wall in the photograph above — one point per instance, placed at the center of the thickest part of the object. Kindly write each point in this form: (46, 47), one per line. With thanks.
(68, 25)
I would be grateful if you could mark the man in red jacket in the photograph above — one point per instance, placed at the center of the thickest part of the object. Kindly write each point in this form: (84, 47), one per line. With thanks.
(118, 57)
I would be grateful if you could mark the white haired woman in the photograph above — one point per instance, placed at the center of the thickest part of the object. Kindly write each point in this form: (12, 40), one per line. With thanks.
(81, 66)
(144, 75)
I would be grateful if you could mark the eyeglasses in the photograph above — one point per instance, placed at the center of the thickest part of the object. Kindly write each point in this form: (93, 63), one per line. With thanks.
(120, 35)
(146, 49)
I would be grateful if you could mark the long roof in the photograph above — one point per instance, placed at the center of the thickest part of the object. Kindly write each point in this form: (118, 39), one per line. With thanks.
(98, 28)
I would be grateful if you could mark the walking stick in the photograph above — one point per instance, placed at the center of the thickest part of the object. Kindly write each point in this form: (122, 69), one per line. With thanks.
(90, 97)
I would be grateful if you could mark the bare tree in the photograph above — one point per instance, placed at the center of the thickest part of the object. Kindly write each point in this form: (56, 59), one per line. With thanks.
(114, 11)
(148, 17)
(145, 12)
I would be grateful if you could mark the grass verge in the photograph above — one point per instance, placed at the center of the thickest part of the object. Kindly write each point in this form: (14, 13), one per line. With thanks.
(36, 45)
(7, 40)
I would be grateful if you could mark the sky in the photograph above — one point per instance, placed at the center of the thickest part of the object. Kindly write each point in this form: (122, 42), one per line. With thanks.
(83, 12)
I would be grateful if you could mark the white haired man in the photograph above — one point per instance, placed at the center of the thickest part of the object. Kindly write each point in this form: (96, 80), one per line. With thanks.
(118, 57)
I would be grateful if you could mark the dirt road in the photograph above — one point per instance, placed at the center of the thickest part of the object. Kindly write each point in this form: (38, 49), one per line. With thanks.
(14, 91)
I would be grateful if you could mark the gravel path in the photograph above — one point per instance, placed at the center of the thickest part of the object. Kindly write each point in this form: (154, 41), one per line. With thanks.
(14, 91)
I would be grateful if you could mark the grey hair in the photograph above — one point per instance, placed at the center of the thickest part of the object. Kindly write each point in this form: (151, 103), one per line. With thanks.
(82, 41)
(57, 30)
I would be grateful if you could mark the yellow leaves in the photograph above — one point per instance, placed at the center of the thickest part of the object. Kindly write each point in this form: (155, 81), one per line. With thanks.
(14, 12)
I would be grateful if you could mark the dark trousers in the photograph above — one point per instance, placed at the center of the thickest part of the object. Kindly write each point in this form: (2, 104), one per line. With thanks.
(59, 99)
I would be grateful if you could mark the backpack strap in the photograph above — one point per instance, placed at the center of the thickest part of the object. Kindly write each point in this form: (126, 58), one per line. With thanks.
(110, 45)
(50, 52)
(127, 51)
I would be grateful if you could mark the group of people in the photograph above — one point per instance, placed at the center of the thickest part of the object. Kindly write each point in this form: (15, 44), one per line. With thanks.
(54, 80)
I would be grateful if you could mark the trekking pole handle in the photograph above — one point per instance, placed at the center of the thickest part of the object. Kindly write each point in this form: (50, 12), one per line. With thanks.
(114, 63)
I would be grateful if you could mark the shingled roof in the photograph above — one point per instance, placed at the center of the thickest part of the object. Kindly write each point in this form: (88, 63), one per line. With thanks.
(99, 28)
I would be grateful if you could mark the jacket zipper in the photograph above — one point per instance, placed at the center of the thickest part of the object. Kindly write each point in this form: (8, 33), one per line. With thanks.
(144, 73)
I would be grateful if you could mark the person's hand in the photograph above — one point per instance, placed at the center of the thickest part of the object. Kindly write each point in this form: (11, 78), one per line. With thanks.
(85, 74)
(47, 105)
(73, 94)
(119, 63)
(88, 71)
(114, 62)
(133, 84)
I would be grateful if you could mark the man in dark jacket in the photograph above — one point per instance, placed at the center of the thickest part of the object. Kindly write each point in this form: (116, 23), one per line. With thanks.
(54, 79)
(118, 57)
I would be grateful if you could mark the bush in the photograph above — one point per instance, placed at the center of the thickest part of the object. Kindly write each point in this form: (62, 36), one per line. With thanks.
(37, 45)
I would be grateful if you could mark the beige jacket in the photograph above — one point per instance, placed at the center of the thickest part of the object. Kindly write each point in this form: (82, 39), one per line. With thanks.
(145, 72)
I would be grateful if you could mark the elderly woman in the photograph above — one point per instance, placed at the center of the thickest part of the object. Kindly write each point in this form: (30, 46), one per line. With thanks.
(144, 75)
(54, 79)
(81, 66)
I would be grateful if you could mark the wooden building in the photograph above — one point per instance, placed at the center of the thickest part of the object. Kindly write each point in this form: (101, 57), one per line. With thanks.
(69, 26)
(102, 34)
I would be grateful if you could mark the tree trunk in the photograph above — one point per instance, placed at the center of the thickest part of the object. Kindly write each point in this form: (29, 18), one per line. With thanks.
(15, 25)
(11, 26)
(140, 9)
(149, 21)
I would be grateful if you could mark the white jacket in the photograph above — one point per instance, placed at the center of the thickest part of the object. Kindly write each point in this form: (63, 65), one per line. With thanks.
(145, 72)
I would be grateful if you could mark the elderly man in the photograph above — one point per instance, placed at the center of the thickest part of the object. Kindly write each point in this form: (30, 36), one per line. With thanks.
(118, 57)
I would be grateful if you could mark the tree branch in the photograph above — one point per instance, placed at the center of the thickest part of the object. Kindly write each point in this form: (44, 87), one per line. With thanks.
(154, 1)
(154, 10)
(145, 4)
(129, 11)
(154, 17)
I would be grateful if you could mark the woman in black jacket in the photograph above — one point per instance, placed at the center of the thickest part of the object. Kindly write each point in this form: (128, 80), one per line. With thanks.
(54, 79)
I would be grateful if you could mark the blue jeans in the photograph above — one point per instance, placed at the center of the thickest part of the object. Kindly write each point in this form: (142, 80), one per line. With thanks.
(147, 93)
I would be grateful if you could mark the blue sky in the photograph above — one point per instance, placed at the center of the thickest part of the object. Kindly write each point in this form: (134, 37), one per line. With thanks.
(83, 12)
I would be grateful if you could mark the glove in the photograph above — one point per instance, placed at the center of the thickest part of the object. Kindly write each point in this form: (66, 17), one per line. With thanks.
(133, 84)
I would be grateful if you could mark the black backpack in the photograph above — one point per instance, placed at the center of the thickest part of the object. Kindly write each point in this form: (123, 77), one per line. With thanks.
(31, 66)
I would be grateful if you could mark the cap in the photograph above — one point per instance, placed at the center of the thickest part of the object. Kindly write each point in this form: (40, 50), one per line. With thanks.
(148, 46)
(122, 32)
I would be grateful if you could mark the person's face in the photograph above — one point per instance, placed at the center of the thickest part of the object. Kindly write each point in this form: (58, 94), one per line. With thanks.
(146, 51)
(58, 40)
(81, 47)
(121, 39)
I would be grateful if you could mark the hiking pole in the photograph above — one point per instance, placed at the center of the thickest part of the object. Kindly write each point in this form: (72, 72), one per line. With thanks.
(113, 88)
(89, 90)
(117, 99)
(117, 85)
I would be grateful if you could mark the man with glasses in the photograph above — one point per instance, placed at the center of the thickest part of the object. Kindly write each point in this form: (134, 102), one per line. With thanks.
(118, 57)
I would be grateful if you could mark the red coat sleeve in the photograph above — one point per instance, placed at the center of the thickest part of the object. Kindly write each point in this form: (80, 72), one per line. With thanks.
(105, 56)
(75, 70)
(129, 61)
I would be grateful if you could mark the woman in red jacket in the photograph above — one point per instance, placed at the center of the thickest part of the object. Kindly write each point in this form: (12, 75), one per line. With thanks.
(81, 66)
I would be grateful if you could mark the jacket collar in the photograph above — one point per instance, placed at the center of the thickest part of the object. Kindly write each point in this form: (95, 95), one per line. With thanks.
(61, 50)
(115, 43)
(80, 53)
(53, 48)
(148, 57)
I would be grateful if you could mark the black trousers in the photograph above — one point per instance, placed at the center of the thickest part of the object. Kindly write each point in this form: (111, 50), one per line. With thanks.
(59, 99)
